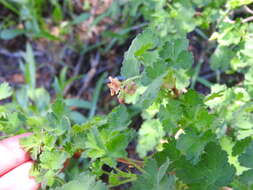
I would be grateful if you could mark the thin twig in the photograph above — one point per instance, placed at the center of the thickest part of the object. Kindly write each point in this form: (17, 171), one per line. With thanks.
(18, 54)
(247, 19)
(208, 76)
(136, 27)
(76, 72)
(124, 182)
(135, 163)
(248, 9)
(223, 17)
(228, 20)
(201, 34)
(91, 73)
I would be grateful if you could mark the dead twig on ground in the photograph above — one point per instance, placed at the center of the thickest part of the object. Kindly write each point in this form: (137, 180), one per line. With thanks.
(247, 19)
(76, 72)
(90, 75)
(18, 54)
(247, 9)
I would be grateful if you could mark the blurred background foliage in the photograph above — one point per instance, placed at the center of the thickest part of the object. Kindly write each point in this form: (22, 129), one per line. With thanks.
(72, 46)
(66, 49)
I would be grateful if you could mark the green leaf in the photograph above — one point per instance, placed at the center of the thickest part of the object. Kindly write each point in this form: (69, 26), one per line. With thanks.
(53, 160)
(182, 79)
(176, 53)
(10, 33)
(152, 91)
(94, 148)
(246, 159)
(247, 177)
(15, 123)
(81, 18)
(195, 112)
(231, 108)
(211, 173)
(59, 108)
(247, 49)
(169, 151)
(55, 125)
(242, 121)
(240, 146)
(155, 177)
(57, 12)
(29, 69)
(34, 143)
(119, 118)
(5, 91)
(150, 134)
(200, 3)
(170, 114)
(117, 144)
(192, 98)
(248, 81)
(77, 117)
(75, 102)
(180, 18)
(227, 144)
(107, 144)
(40, 97)
(230, 34)
(22, 97)
(243, 57)
(232, 4)
(192, 145)
(152, 72)
(84, 181)
(140, 45)
(221, 58)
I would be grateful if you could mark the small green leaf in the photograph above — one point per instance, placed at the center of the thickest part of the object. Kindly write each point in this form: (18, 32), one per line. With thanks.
(29, 69)
(192, 145)
(247, 177)
(59, 108)
(155, 177)
(211, 173)
(246, 159)
(53, 160)
(221, 58)
(119, 118)
(240, 146)
(10, 33)
(140, 45)
(75, 102)
(77, 117)
(232, 4)
(81, 18)
(84, 181)
(151, 92)
(5, 91)
(150, 134)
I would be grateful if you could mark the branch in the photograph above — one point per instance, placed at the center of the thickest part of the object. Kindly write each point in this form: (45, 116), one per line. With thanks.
(248, 9)
(90, 75)
(228, 20)
(247, 19)
(76, 72)
(18, 54)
